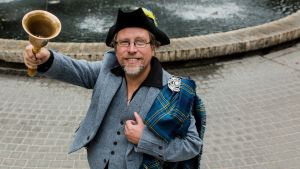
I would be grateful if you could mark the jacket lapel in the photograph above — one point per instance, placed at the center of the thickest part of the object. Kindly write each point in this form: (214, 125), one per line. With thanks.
(112, 85)
(152, 94)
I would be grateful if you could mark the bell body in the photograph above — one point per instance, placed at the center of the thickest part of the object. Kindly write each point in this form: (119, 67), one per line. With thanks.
(41, 26)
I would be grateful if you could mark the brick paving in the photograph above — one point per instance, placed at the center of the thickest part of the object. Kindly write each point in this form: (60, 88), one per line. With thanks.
(253, 115)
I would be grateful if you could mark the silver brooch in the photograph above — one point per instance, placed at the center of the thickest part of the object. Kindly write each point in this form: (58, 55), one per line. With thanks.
(174, 83)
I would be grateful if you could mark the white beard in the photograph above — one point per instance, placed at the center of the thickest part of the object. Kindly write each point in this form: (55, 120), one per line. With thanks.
(133, 71)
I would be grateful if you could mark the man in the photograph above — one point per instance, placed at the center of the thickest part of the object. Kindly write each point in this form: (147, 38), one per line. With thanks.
(125, 85)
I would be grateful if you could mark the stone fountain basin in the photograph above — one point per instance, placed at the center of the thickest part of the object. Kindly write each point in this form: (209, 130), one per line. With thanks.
(187, 48)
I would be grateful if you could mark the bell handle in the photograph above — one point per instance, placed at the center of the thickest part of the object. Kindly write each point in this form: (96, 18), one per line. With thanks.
(32, 72)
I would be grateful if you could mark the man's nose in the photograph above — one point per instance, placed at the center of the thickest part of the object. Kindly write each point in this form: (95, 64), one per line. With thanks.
(132, 47)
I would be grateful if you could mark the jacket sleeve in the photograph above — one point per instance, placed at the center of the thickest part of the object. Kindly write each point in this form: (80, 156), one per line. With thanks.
(77, 72)
(177, 149)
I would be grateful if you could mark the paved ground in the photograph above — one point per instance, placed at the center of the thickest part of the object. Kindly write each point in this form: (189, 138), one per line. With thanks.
(253, 115)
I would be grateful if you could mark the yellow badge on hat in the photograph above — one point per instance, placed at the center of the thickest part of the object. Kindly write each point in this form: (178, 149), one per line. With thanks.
(150, 15)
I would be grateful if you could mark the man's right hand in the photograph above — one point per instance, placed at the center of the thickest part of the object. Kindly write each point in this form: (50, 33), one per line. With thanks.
(33, 60)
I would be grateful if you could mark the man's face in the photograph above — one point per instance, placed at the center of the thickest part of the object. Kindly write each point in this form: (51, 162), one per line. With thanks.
(134, 58)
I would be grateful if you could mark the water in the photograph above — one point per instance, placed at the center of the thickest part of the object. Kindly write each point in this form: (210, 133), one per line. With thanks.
(89, 21)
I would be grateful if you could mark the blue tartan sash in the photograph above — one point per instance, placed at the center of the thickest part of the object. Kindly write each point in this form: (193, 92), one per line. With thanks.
(169, 117)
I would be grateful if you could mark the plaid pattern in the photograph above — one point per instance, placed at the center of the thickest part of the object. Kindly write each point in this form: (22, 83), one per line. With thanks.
(169, 117)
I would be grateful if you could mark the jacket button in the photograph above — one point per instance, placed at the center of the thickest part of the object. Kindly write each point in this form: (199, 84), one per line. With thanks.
(118, 132)
(115, 143)
(112, 152)
(160, 147)
(121, 122)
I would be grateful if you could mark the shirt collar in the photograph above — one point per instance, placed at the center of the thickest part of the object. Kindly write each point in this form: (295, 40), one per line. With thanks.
(154, 78)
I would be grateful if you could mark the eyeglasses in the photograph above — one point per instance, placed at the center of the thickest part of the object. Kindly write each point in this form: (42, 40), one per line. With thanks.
(137, 43)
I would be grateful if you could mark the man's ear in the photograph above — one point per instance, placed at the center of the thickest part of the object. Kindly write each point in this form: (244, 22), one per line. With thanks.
(153, 50)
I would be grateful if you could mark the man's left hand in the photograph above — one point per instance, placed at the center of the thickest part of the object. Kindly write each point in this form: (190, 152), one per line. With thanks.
(134, 129)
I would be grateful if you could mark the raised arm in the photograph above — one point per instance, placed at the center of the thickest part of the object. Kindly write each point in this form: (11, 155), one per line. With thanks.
(63, 68)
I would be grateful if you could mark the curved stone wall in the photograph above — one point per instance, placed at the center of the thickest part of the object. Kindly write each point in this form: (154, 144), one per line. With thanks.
(196, 47)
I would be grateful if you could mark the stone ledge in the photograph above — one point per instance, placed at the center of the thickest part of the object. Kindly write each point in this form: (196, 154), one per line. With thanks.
(187, 48)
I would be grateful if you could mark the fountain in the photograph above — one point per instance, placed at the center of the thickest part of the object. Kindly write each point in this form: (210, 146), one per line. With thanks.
(192, 25)
(89, 21)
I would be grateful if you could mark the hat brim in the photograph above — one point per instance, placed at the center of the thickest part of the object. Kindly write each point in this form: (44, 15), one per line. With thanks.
(136, 18)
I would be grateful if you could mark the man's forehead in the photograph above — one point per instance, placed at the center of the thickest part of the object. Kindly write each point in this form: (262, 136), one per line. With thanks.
(133, 33)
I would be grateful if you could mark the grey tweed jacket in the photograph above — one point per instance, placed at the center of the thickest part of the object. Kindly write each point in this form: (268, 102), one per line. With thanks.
(98, 76)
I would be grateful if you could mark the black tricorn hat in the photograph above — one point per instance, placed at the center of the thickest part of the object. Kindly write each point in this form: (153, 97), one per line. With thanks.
(136, 18)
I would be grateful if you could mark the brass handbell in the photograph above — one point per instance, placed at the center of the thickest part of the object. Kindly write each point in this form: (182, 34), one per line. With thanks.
(41, 26)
